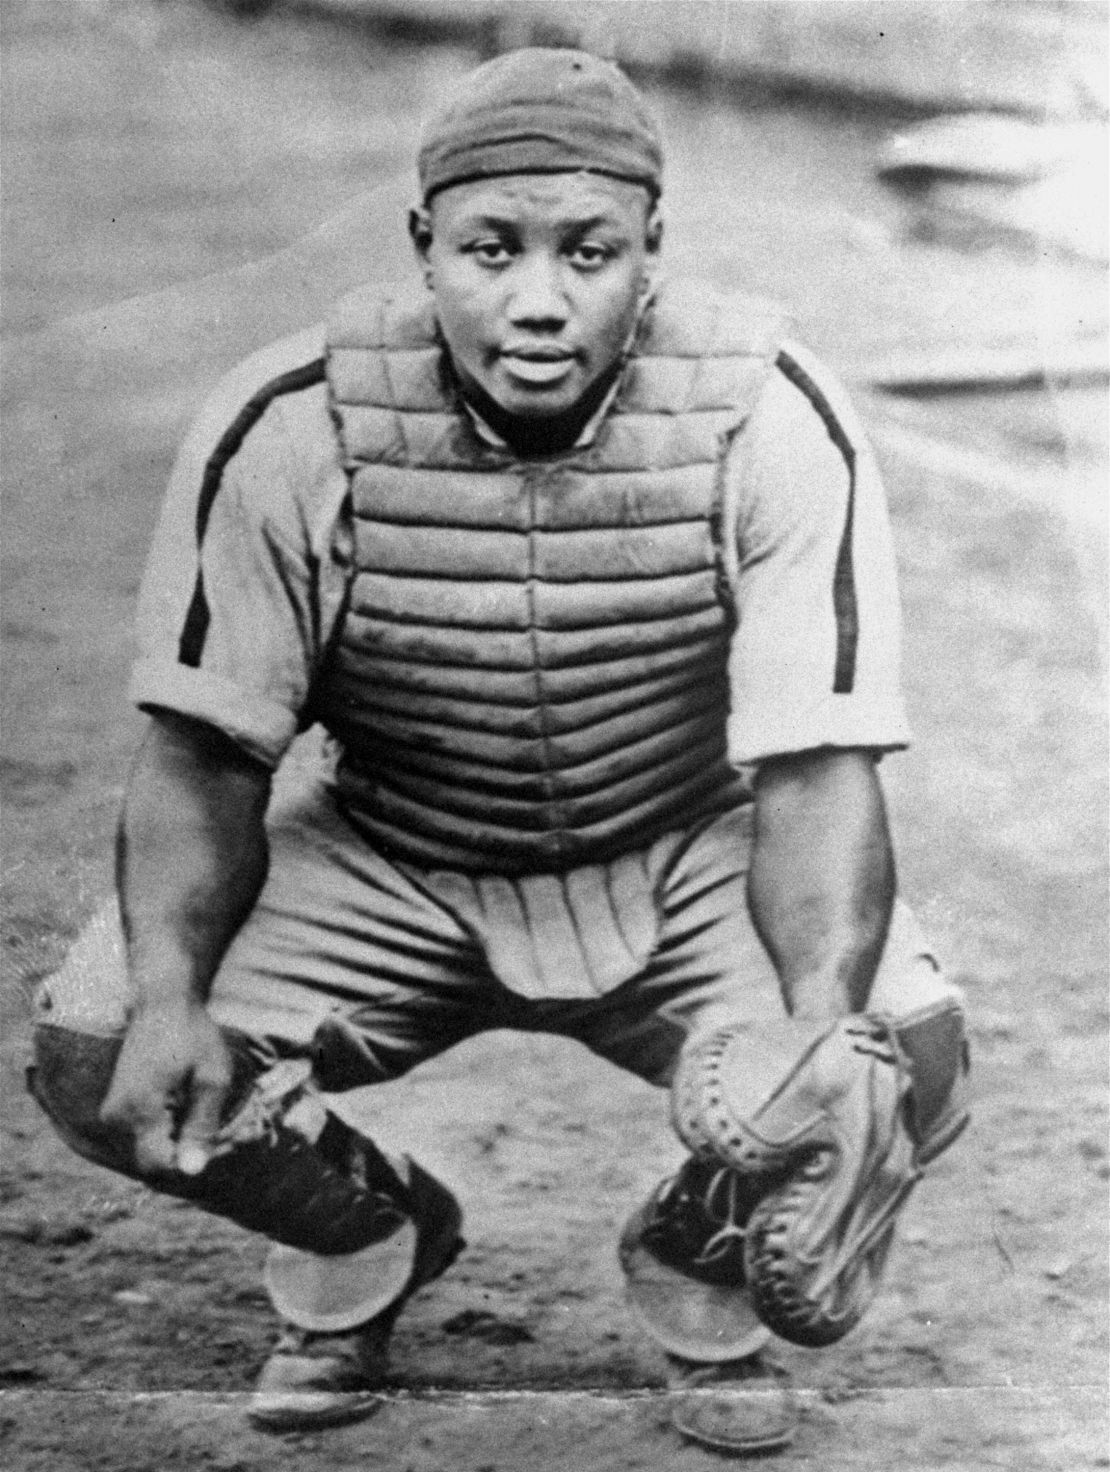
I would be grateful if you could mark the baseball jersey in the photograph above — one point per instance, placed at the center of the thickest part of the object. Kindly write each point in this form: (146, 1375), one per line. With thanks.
(252, 559)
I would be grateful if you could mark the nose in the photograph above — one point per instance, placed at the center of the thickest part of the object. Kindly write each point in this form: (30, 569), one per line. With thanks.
(538, 298)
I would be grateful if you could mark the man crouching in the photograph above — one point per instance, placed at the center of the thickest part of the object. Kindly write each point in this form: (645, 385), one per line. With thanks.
(588, 579)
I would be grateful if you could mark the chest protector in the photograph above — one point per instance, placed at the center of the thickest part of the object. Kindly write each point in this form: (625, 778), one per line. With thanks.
(531, 671)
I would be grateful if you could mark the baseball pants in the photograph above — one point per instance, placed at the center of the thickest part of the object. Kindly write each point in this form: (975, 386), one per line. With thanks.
(353, 969)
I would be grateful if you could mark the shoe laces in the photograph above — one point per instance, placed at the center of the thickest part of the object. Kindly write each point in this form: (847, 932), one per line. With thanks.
(722, 1204)
(701, 1213)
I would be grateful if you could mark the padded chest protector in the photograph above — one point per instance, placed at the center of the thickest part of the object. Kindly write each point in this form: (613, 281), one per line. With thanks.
(531, 673)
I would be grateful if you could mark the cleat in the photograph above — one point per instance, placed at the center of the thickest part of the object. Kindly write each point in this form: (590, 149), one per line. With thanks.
(682, 1254)
(315, 1379)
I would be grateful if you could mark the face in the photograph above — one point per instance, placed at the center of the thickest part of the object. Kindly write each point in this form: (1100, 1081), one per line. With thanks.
(538, 280)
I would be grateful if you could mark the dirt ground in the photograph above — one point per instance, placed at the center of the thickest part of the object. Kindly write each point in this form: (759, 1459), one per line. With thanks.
(179, 187)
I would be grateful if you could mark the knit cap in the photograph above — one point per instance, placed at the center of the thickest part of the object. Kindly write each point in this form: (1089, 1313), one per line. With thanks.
(541, 111)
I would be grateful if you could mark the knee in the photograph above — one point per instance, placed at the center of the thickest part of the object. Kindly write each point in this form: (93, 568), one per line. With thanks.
(81, 1015)
(69, 1078)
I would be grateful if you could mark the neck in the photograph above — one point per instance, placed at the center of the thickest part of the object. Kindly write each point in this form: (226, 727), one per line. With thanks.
(536, 436)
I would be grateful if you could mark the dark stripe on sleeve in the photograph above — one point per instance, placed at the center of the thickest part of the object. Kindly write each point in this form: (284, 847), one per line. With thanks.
(845, 606)
(195, 628)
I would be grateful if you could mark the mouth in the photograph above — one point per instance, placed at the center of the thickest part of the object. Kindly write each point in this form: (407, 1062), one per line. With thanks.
(538, 365)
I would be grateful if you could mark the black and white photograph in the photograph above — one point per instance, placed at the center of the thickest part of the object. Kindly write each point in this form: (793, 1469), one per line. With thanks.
(554, 735)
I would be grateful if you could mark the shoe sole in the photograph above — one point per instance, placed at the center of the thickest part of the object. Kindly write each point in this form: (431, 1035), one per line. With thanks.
(360, 1408)
(689, 1420)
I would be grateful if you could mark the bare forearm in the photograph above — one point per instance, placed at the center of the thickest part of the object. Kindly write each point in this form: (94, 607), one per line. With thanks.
(822, 880)
(192, 857)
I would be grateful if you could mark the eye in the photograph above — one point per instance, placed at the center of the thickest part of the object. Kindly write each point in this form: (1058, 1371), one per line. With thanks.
(490, 252)
(590, 255)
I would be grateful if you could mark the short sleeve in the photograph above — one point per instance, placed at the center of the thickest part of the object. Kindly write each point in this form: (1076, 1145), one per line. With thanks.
(815, 659)
(245, 574)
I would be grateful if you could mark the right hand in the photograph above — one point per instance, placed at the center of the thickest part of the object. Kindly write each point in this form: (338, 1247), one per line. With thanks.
(169, 1087)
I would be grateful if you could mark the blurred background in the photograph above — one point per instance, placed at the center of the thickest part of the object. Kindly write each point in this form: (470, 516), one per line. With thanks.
(924, 185)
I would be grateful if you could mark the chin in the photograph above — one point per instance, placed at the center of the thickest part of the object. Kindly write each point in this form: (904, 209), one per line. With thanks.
(528, 406)
(539, 401)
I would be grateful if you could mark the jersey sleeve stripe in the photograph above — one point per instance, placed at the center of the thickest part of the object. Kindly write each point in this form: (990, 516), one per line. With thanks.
(195, 627)
(845, 604)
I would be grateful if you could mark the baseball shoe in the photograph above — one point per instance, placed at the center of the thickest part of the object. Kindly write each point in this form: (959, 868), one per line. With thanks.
(682, 1254)
(314, 1380)
(740, 1408)
(695, 1221)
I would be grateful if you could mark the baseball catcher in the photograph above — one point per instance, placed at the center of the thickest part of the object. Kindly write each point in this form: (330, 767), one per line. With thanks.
(584, 575)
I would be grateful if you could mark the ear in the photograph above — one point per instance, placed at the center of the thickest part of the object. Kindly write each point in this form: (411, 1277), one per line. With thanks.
(420, 233)
(653, 246)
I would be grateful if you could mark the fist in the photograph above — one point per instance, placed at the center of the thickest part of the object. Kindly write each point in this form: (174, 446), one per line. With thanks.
(169, 1088)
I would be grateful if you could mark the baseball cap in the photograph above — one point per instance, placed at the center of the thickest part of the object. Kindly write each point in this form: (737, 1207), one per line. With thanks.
(541, 110)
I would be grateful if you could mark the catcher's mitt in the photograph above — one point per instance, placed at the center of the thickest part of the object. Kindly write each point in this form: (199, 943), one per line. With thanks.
(832, 1127)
